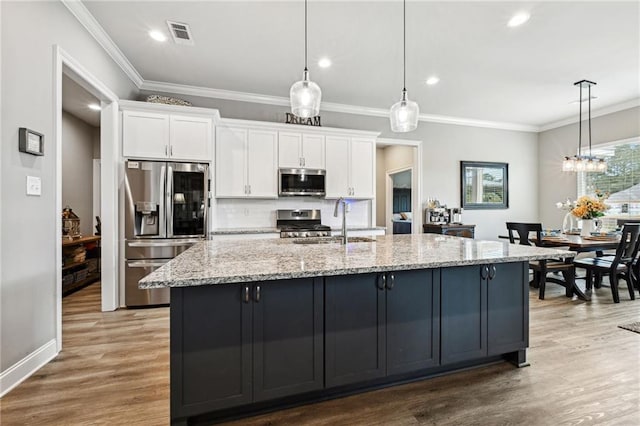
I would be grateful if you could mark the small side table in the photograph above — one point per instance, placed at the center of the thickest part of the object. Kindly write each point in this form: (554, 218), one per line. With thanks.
(452, 229)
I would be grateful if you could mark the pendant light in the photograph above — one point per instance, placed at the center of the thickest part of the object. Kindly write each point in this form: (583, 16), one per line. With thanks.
(579, 162)
(404, 114)
(305, 95)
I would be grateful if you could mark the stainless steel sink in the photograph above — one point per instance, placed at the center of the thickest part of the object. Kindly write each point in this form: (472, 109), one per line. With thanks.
(333, 240)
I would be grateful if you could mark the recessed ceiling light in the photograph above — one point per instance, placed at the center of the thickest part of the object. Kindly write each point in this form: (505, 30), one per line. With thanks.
(324, 63)
(157, 35)
(95, 107)
(518, 19)
(432, 80)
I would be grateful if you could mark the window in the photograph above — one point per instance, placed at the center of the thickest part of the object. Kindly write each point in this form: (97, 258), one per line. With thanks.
(621, 181)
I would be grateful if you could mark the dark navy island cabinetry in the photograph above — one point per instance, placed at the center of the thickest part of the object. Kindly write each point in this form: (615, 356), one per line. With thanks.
(261, 325)
(239, 349)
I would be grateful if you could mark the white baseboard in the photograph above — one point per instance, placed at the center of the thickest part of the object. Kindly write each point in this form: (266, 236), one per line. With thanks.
(28, 365)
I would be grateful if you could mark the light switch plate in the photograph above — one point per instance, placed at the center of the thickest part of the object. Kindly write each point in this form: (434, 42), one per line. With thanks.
(34, 186)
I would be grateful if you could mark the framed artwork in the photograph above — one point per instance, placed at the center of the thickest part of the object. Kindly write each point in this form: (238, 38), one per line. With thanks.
(484, 185)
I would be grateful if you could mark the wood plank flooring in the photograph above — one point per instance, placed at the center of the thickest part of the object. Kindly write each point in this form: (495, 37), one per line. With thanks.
(584, 371)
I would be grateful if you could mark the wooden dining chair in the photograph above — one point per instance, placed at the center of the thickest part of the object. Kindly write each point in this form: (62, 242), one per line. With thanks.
(633, 268)
(618, 266)
(543, 267)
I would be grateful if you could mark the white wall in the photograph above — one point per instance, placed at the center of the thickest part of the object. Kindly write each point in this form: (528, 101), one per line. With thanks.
(555, 144)
(77, 169)
(444, 146)
(28, 280)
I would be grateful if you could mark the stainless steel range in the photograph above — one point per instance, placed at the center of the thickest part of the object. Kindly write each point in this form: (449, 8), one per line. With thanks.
(301, 224)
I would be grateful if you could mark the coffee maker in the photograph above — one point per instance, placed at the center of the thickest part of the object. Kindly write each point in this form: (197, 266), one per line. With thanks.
(455, 215)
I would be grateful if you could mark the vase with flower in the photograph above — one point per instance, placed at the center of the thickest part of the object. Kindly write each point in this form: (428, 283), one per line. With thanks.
(588, 209)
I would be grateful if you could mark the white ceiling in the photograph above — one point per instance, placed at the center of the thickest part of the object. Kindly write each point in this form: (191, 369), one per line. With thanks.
(76, 100)
(487, 71)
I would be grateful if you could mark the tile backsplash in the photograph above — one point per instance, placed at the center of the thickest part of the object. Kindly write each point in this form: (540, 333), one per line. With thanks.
(239, 213)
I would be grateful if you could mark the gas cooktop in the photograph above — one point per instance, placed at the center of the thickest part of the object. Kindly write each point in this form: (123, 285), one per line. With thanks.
(301, 224)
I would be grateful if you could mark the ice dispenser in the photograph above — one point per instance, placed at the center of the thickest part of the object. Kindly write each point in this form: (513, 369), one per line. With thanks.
(146, 221)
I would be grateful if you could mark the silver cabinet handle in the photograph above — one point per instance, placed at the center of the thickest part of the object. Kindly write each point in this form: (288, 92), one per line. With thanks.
(304, 161)
(245, 189)
(484, 272)
(249, 188)
(492, 272)
(384, 281)
(171, 150)
(392, 281)
(300, 161)
(257, 294)
(245, 296)
(166, 150)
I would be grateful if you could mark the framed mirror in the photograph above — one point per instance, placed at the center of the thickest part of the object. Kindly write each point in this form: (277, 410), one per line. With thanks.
(484, 185)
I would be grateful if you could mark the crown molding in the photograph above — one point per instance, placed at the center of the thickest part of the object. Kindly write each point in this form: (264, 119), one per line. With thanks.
(82, 14)
(230, 95)
(597, 113)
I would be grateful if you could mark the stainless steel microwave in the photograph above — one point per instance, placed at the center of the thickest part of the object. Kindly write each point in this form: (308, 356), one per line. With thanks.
(302, 182)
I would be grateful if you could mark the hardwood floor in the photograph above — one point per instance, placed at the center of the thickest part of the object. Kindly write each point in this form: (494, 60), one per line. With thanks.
(584, 370)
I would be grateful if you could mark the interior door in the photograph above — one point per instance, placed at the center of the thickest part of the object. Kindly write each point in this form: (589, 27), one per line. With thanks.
(187, 200)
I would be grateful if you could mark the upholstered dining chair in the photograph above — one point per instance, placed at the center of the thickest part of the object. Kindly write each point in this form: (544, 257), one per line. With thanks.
(621, 265)
(542, 268)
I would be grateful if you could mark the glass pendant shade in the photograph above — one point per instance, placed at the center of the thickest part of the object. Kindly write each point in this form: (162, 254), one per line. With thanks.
(602, 166)
(305, 96)
(569, 164)
(580, 165)
(404, 115)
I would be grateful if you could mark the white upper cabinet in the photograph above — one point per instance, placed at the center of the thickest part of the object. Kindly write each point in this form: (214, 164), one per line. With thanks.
(337, 177)
(289, 150)
(350, 167)
(313, 151)
(246, 163)
(166, 132)
(300, 150)
(190, 137)
(145, 134)
(361, 161)
(230, 162)
(262, 170)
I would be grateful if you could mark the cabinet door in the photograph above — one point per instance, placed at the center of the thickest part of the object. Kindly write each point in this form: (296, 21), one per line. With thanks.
(337, 166)
(287, 338)
(289, 153)
(313, 151)
(361, 166)
(190, 138)
(463, 314)
(355, 329)
(230, 162)
(508, 308)
(145, 135)
(262, 160)
(210, 328)
(413, 320)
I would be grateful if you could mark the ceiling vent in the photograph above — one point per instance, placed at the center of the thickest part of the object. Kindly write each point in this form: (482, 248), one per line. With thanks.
(181, 33)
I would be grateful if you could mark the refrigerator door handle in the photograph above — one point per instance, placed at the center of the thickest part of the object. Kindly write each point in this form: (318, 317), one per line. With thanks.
(169, 201)
(162, 226)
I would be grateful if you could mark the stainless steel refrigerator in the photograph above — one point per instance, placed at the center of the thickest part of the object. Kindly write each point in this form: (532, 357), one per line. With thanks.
(166, 207)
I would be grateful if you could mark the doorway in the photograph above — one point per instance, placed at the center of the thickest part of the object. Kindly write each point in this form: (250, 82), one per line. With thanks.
(66, 66)
(80, 186)
(399, 195)
(398, 185)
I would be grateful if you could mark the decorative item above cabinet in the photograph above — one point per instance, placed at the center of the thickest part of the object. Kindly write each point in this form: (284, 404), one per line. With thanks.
(160, 132)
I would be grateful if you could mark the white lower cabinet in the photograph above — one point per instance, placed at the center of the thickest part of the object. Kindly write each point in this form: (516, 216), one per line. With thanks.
(350, 167)
(246, 163)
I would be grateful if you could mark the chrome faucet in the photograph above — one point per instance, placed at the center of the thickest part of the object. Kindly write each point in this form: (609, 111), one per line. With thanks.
(344, 217)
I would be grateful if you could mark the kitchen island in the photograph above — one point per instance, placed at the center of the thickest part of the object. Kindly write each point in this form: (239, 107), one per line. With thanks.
(266, 324)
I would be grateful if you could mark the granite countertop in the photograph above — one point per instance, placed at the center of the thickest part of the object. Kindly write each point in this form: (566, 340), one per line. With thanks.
(234, 231)
(220, 262)
(360, 228)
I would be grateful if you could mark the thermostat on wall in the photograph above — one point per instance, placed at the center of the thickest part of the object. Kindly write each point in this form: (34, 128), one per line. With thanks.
(30, 142)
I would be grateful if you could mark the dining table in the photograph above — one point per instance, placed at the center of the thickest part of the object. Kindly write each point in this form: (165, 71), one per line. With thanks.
(580, 244)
